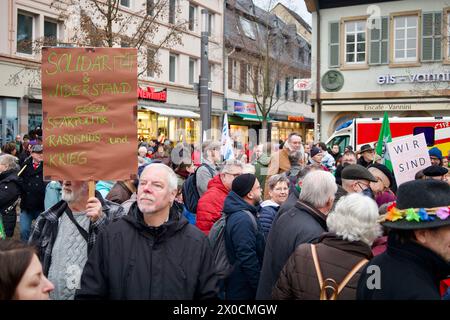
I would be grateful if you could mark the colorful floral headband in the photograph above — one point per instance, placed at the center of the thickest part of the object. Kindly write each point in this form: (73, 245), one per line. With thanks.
(418, 215)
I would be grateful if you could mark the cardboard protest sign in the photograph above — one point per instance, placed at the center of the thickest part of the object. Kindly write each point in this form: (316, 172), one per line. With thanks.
(89, 113)
(408, 155)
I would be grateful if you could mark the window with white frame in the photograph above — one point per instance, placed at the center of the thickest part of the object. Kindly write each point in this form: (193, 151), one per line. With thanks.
(210, 71)
(125, 3)
(249, 78)
(25, 33)
(211, 18)
(355, 42)
(50, 33)
(192, 70)
(172, 67)
(192, 14)
(448, 34)
(405, 38)
(235, 75)
(151, 7)
(248, 28)
(172, 11)
(151, 57)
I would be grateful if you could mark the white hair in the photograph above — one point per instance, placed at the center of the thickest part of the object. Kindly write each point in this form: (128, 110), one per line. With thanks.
(355, 219)
(248, 168)
(172, 179)
(9, 161)
(318, 187)
(228, 164)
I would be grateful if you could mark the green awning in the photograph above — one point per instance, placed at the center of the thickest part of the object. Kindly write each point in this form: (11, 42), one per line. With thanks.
(251, 117)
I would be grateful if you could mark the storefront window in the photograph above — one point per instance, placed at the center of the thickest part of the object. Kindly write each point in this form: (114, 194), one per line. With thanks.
(239, 134)
(163, 127)
(192, 130)
(8, 120)
(34, 115)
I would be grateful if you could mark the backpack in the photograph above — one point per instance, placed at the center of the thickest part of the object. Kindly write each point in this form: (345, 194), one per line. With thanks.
(216, 239)
(329, 283)
(190, 192)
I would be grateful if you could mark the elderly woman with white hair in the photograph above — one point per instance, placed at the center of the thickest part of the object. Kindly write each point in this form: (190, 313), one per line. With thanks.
(10, 190)
(330, 269)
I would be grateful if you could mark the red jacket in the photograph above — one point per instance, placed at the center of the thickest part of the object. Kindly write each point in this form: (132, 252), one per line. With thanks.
(210, 205)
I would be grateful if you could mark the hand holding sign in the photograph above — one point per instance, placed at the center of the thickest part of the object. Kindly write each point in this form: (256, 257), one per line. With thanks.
(94, 209)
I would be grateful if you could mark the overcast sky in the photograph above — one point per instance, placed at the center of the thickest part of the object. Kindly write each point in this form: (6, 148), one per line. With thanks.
(296, 5)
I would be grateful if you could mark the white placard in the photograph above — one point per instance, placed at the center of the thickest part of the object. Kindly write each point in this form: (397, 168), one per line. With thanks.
(408, 155)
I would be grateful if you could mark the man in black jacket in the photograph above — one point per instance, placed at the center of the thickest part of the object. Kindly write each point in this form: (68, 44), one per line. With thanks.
(153, 252)
(33, 185)
(301, 224)
(418, 250)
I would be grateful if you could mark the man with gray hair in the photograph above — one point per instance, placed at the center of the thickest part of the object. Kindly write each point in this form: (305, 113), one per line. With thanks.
(153, 252)
(208, 169)
(302, 224)
(210, 205)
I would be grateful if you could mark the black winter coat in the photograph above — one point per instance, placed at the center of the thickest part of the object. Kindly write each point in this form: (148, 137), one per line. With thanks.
(408, 271)
(132, 261)
(289, 203)
(10, 190)
(245, 248)
(301, 224)
(33, 186)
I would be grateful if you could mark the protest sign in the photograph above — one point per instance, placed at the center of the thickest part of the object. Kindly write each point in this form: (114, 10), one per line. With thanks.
(89, 113)
(408, 155)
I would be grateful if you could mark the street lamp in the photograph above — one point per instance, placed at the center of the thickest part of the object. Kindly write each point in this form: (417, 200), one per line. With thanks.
(204, 87)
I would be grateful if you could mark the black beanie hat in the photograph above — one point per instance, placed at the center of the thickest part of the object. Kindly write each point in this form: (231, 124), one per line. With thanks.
(243, 184)
(314, 151)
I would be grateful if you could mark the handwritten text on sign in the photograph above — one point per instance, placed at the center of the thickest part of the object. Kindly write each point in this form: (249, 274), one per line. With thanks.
(408, 155)
(89, 96)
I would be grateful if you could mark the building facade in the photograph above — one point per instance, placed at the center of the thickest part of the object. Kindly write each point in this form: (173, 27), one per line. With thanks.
(379, 56)
(246, 37)
(168, 102)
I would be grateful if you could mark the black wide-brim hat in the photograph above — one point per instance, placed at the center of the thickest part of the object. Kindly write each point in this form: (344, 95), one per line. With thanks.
(365, 148)
(420, 195)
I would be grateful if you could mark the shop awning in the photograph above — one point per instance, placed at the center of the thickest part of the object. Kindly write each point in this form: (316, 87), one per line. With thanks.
(177, 113)
(251, 117)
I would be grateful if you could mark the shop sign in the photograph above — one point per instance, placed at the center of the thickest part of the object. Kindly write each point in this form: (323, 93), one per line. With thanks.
(296, 118)
(414, 78)
(302, 84)
(151, 94)
(248, 108)
(387, 107)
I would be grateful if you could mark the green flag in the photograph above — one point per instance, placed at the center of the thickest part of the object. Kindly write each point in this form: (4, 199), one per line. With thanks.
(384, 137)
(2, 230)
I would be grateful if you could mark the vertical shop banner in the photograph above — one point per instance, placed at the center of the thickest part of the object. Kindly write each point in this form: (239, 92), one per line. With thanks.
(89, 107)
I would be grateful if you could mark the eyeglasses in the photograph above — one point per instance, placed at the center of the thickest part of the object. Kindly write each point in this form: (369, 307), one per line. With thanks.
(365, 185)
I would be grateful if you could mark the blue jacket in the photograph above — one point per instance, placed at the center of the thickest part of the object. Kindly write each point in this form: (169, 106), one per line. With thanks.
(52, 194)
(267, 214)
(245, 247)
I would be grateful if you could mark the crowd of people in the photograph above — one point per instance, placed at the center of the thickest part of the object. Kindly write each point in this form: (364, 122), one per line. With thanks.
(300, 221)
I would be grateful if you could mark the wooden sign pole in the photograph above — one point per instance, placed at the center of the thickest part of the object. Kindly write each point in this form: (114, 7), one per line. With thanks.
(91, 189)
